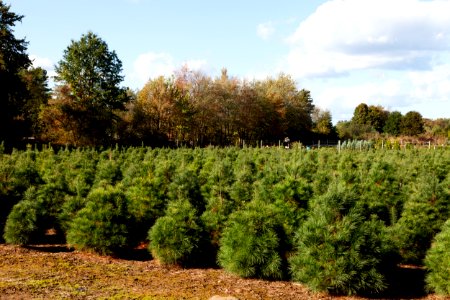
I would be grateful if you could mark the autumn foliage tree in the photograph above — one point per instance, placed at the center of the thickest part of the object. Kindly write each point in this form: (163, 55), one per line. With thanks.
(194, 109)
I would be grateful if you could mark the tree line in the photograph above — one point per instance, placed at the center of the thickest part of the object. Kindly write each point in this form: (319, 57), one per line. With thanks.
(89, 107)
(375, 119)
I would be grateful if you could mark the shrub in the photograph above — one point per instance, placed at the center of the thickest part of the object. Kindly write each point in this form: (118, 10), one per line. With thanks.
(108, 170)
(102, 225)
(338, 250)
(185, 185)
(21, 226)
(17, 173)
(145, 207)
(34, 215)
(424, 213)
(253, 243)
(437, 262)
(72, 205)
(178, 237)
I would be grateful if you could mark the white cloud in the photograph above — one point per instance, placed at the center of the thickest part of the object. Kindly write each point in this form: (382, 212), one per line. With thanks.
(424, 91)
(342, 100)
(196, 64)
(265, 30)
(433, 84)
(345, 35)
(44, 63)
(151, 65)
(341, 46)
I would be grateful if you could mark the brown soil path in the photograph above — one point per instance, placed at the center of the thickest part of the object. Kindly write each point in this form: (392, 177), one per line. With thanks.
(53, 272)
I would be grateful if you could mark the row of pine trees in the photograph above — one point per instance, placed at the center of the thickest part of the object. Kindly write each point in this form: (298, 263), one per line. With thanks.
(337, 222)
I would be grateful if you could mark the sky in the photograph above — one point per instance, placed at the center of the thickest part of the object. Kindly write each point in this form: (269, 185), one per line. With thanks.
(393, 53)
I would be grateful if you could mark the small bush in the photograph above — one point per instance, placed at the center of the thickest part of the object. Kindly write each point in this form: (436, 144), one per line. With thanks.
(101, 226)
(178, 237)
(424, 213)
(72, 205)
(253, 243)
(437, 262)
(21, 226)
(34, 215)
(338, 250)
(145, 207)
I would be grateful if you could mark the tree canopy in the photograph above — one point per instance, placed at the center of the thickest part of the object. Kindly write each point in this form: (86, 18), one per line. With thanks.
(89, 107)
(92, 72)
(13, 59)
(88, 95)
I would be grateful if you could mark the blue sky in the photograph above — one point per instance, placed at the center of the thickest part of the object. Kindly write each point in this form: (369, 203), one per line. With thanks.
(394, 53)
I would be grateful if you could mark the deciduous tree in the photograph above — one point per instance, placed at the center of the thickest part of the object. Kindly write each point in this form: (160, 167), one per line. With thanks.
(322, 121)
(392, 125)
(412, 124)
(92, 73)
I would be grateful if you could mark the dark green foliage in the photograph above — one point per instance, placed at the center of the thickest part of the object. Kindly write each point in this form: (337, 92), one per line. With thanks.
(382, 192)
(101, 226)
(338, 250)
(38, 94)
(18, 172)
(426, 209)
(217, 193)
(393, 123)
(108, 172)
(100, 67)
(89, 73)
(32, 217)
(178, 238)
(248, 209)
(185, 185)
(412, 124)
(437, 262)
(254, 242)
(72, 205)
(145, 206)
(13, 59)
(21, 226)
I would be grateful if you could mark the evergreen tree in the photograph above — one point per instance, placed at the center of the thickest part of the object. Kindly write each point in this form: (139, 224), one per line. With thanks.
(424, 212)
(37, 213)
(254, 243)
(102, 225)
(437, 262)
(338, 249)
(178, 238)
(13, 60)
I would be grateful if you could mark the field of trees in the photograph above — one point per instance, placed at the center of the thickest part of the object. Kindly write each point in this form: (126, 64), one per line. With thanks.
(337, 222)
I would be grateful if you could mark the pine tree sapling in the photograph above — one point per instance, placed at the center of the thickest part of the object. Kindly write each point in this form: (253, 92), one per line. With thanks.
(37, 213)
(252, 244)
(424, 212)
(178, 238)
(437, 262)
(145, 208)
(102, 225)
(21, 226)
(338, 250)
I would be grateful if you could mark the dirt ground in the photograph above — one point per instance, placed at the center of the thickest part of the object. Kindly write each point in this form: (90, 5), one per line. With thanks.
(55, 272)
